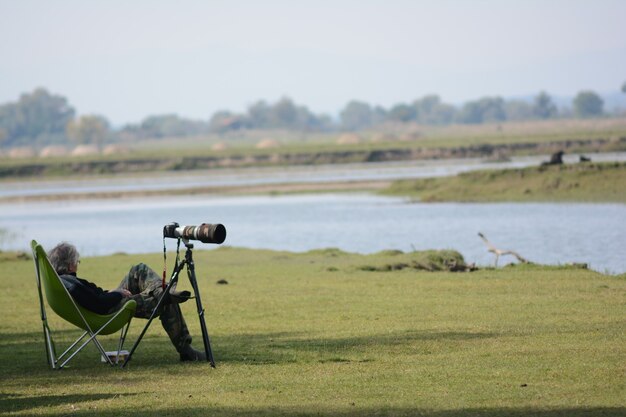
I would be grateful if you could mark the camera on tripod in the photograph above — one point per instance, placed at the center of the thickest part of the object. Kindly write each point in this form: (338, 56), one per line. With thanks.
(205, 233)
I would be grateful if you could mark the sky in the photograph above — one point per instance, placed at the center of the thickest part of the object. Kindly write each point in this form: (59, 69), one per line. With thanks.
(127, 60)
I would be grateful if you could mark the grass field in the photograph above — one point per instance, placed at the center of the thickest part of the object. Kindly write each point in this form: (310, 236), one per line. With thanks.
(597, 182)
(327, 333)
(292, 148)
(392, 136)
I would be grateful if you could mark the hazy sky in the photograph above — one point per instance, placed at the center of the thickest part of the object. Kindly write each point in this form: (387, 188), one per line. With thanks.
(129, 59)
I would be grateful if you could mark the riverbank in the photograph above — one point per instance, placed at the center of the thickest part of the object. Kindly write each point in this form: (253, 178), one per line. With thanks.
(582, 182)
(163, 160)
(572, 182)
(319, 334)
(225, 190)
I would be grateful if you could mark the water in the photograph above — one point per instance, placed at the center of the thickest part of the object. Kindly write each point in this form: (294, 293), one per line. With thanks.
(544, 233)
(281, 175)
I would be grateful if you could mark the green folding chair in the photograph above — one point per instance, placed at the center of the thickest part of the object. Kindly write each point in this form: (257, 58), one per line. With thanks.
(62, 303)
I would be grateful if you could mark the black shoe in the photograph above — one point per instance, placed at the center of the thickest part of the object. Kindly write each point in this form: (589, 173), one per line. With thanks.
(178, 297)
(189, 354)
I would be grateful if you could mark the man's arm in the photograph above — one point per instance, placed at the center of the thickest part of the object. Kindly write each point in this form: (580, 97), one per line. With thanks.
(90, 296)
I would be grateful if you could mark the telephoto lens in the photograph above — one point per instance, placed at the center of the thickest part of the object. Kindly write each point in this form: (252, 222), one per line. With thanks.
(205, 233)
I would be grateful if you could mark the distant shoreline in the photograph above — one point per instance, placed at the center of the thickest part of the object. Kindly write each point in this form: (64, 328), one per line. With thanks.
(395, 152)
(446, 180)
(284, 188)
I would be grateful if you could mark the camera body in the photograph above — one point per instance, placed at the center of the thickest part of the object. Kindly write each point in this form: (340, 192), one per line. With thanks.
(205, 232)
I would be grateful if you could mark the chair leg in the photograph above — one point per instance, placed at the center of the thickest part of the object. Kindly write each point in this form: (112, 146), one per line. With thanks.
(50, 350)
(93, 339)
(101, 349)
(123, 334)
(72, 346)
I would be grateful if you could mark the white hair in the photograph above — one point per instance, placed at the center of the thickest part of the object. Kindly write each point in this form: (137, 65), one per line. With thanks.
(62, 257)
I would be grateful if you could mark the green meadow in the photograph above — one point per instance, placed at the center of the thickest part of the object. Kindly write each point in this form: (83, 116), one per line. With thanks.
(328, 333)
(583, 182)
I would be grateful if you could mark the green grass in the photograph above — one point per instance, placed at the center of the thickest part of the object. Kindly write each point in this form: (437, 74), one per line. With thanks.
(315, 334)
(403, 135)
(585, 182)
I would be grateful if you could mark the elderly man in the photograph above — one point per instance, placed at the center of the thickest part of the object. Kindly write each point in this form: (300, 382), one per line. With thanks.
(141, 284)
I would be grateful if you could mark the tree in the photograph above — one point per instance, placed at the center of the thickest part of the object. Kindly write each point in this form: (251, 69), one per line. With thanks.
(89, 129)
(36, 117)
(471, 113)
(431, 111)
(443, 114)
(306, 120)
(284, 114)
(425, 106)
(171, 125)
(223, 121)
(588, 104)
(493, 109)
(624, 87)
(486, 109)
(543, 107)
(356, 115)
(259, 115)
(379, 115)
(402, 113)
(518, 110)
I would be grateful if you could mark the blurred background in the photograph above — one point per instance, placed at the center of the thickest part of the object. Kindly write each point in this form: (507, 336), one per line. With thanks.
(118, 117)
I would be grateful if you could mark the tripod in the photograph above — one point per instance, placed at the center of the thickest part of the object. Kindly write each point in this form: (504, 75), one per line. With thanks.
(191, 273)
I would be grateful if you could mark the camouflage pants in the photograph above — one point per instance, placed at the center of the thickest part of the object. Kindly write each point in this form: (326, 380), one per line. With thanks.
(145, 285)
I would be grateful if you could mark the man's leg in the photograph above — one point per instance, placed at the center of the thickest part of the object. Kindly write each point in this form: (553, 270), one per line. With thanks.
(146, 287)
(174, 324)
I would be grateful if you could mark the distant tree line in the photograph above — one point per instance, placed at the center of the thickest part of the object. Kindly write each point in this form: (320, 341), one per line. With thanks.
(39, 118)
(284, 114)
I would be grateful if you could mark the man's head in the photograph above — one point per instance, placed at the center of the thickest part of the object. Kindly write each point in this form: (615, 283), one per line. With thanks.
(64, 258)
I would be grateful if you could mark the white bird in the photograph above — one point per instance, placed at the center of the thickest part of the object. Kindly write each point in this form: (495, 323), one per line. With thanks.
(499, 252)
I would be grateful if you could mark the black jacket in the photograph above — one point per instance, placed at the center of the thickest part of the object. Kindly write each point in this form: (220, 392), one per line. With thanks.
(90, 296)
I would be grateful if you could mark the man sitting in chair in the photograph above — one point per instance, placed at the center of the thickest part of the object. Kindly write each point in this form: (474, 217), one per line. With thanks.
(141, 284)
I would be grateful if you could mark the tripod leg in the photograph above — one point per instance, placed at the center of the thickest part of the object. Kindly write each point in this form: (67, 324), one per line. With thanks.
(173, 281)
(191, 273)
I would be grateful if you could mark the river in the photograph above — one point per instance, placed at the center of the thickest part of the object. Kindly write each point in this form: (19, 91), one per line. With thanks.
(544, 233)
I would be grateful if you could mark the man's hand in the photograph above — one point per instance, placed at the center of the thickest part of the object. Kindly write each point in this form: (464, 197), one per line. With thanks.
(125, 293)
